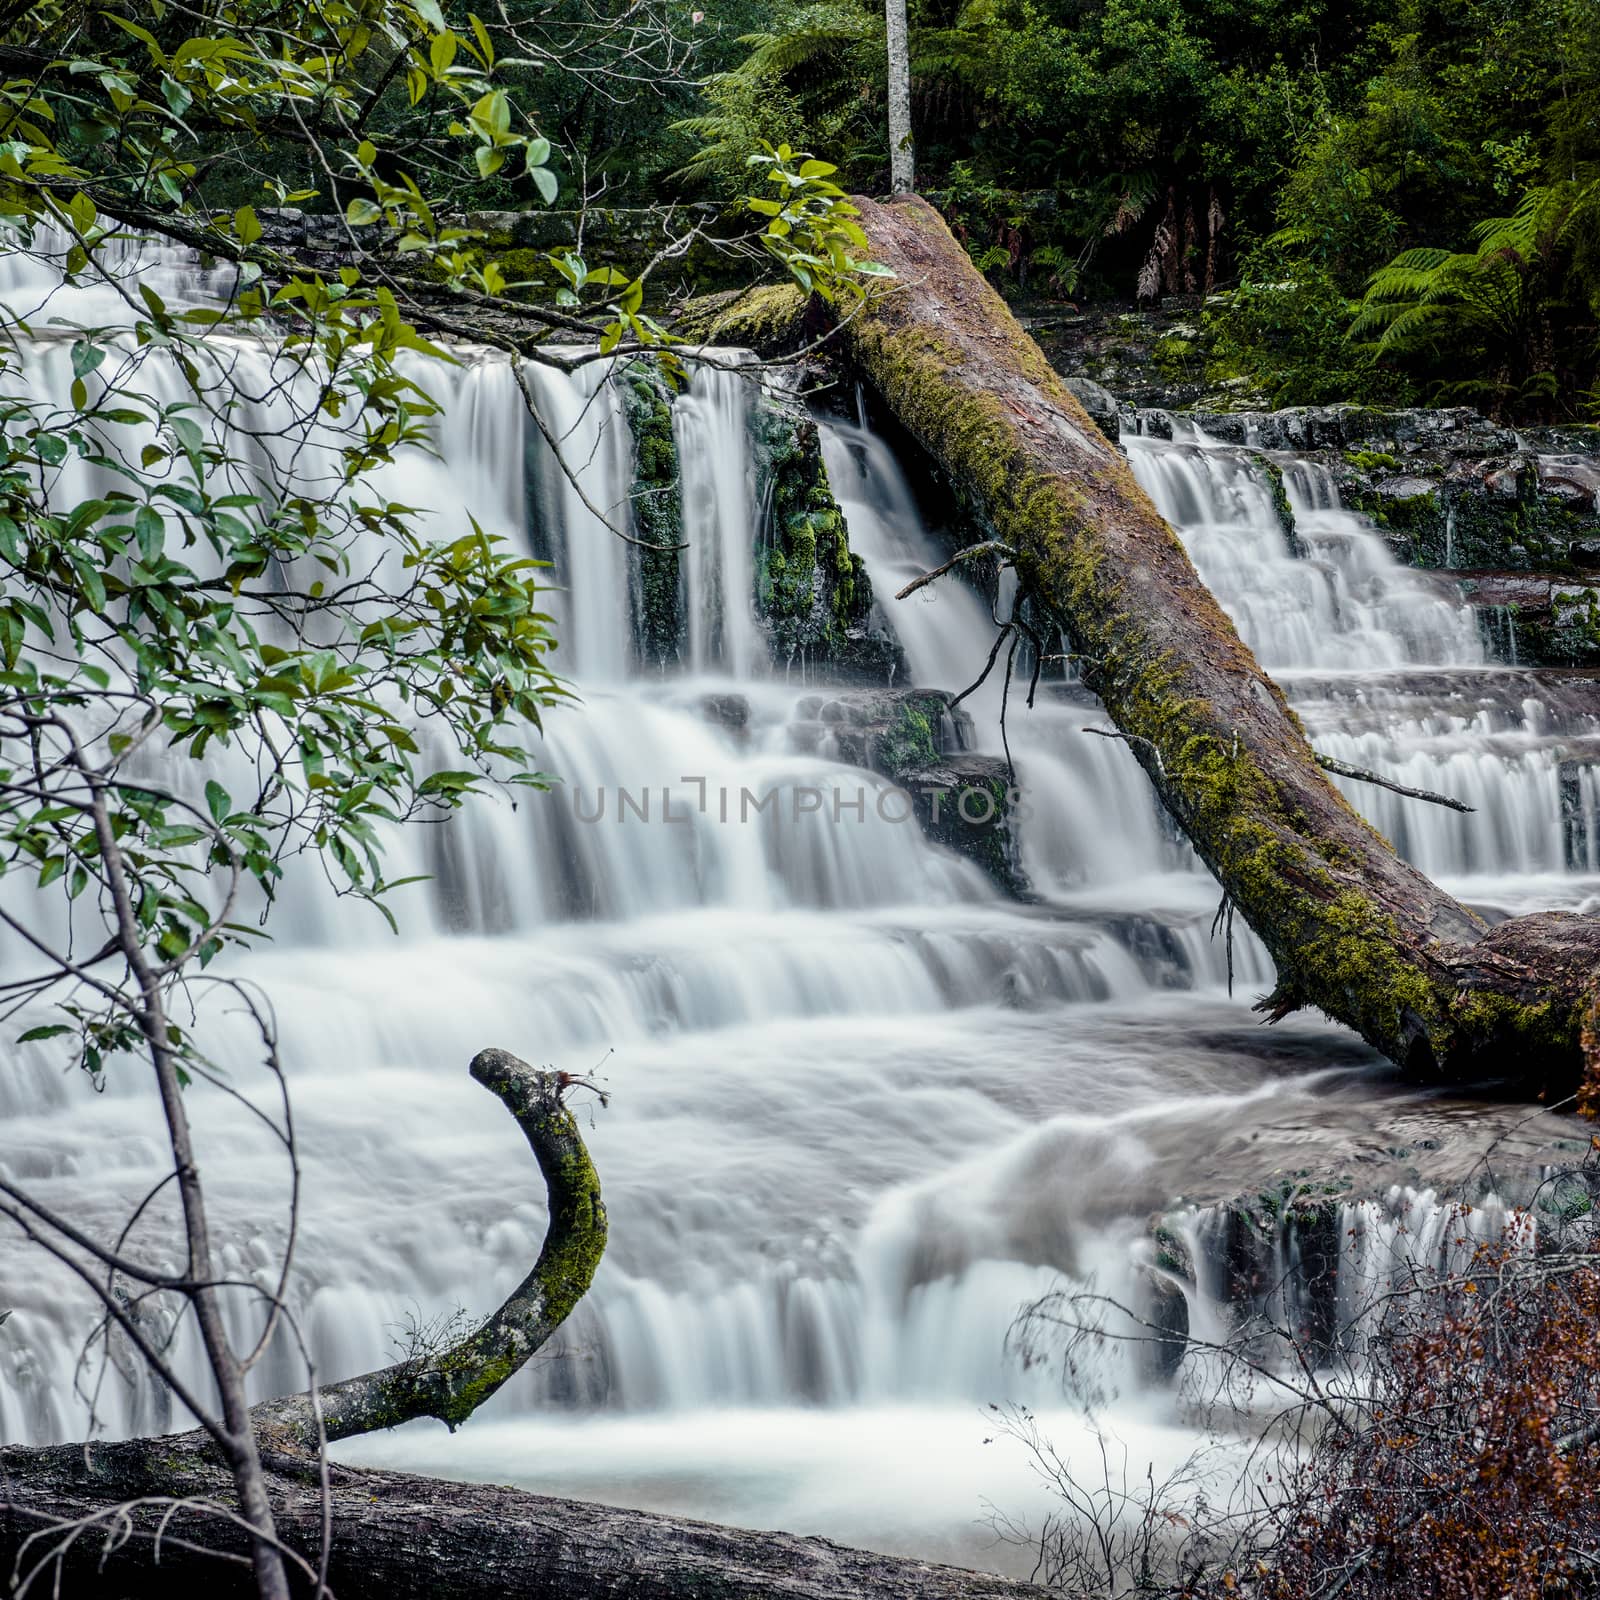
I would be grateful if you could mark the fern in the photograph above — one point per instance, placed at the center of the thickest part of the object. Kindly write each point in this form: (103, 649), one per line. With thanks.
(1489, 305)
(818, 32)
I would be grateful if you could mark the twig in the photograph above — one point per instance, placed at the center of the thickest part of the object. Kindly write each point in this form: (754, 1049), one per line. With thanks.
(988, 667)
(1131, 738)
(1361, 775)
(989, 547)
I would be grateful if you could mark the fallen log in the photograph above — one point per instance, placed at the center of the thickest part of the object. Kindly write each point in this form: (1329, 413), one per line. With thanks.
(395, 1535)
(1353, 929)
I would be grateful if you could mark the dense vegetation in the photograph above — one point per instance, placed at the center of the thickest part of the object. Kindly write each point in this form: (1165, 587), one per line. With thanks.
(1398, 202)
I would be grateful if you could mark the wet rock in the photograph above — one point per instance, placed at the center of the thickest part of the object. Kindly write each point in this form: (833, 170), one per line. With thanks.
(1534, 619)
(731, 711)
(1100, 403)
(1402, 488)
(1166, 1341)
(915, 739)
(812, 592)
(655, 577)
(1577, 842)
(965, 802)
(889, 731)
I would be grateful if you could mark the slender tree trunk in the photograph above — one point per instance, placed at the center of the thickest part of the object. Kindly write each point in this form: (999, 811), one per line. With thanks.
(236, 1435)
(1354, 930)
(902, 157)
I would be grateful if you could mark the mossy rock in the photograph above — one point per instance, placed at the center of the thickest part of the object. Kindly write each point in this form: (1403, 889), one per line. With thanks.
(655, 577)
(812, 593)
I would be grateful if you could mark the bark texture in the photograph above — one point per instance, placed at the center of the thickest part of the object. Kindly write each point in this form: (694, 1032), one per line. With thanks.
(397, 1536)
(1353, 929)
(902, 158)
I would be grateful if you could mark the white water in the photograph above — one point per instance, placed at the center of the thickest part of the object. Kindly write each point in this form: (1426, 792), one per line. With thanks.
(864, 1108)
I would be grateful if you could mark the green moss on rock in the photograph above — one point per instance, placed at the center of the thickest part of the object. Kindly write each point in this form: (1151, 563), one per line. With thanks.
(655, 577)
(811, 592)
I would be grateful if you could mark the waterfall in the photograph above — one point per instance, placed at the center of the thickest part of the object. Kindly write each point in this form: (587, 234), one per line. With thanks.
(1389, 674)
(711, 424)
(864, 1106)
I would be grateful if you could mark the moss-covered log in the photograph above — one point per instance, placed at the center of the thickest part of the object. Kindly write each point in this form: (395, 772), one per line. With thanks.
(450, 1384)
(1353, 929)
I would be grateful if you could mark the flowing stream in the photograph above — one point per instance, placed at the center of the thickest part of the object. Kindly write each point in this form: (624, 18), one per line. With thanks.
(864, 1106)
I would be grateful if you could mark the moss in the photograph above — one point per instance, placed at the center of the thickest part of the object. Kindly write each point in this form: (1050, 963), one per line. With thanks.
(811, 590)
(1464, 525)
(912, 738)
(1372, 461)
(1178, 359)
(471, 1371)
(1280, 504)
(767, 318)
(655, 577)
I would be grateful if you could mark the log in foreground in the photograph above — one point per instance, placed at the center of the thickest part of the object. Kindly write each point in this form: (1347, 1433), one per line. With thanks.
(1354, 930)
(396, 1536)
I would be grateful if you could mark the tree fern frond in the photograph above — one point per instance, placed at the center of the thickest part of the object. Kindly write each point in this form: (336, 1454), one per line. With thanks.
(778, 53)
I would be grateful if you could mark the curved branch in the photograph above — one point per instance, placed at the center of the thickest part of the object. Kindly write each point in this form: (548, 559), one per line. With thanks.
(451, 1384)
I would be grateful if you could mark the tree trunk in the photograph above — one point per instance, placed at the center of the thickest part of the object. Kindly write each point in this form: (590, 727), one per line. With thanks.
(902, 157)
(1353, 929)
(396, 1536)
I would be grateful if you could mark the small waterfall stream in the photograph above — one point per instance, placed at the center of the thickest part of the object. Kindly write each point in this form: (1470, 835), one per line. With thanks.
(864, 1106)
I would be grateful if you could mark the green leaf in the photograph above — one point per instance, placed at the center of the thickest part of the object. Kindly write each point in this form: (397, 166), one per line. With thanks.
(85, 358)
(480, 33)
(360, 212)
(82, 211)
(217, 801)
(150, 532)
(49, 1030)
(447, 782)
(544, 180)
(246, 225)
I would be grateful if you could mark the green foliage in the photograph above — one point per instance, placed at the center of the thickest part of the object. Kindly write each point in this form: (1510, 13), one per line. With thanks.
(1502, 312)
(795, 84)
(1465, 108)
(811, 228)
(1285, 331)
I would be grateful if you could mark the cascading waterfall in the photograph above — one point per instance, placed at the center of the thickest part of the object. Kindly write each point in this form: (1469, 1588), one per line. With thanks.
(864, 1106)
(719, 512)
(1390, 675)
